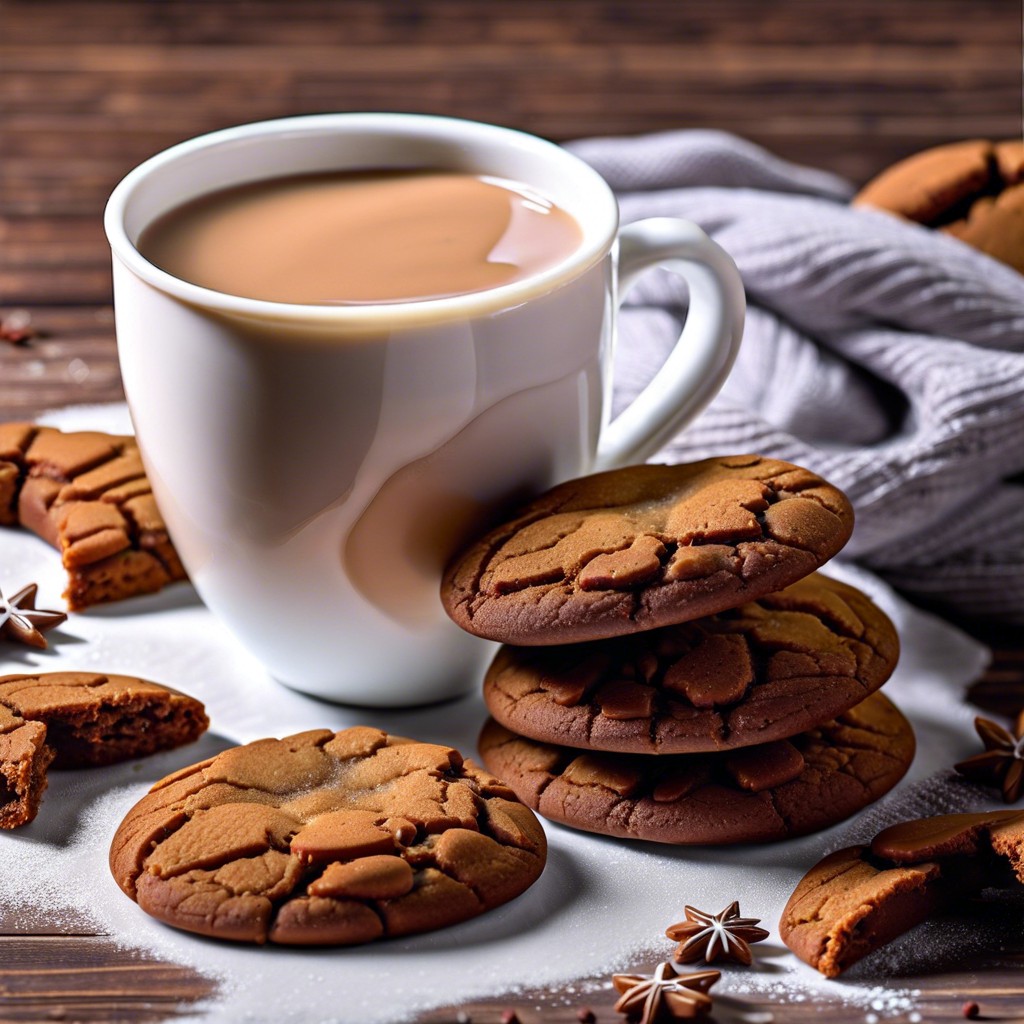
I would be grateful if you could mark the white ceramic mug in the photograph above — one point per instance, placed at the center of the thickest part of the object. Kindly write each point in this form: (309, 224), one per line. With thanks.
(318, 465)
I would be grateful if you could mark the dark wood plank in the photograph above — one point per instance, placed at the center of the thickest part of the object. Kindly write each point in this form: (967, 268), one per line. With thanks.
(74, 361)
(88, 978)
(999, 993)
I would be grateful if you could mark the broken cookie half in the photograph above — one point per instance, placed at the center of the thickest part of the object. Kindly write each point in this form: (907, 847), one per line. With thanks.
(82, 719)
(87, 494)
(859, 899)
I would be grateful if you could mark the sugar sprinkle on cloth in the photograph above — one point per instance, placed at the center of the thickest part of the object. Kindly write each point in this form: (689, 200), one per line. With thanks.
(882, 355)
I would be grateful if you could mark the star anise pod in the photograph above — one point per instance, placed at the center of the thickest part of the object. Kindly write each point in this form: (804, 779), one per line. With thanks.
(711, 937)
(20, 620)
(1002, 763)
(667, 993)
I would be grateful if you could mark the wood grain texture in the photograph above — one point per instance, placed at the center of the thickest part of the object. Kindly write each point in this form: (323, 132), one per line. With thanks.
(87, 90)
(89, 978)
(940, 997)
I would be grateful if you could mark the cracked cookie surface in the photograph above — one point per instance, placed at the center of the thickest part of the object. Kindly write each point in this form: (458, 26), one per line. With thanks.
(859, 899)
(752, 674)
(94, 719)
(327, 838)
(87, 494)
(78, 720)
(646, 546)
(755, 794)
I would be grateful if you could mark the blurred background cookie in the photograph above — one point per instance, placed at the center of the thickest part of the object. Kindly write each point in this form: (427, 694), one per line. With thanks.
(973, 190)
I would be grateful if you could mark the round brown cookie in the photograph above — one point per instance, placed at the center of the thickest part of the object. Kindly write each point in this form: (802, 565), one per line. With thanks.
(973, 190)
(646, 546)
(760, 672)
(755, 794)
(326, 839)
(857, 900)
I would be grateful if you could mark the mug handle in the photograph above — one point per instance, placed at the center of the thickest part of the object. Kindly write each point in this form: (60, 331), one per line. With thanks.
(700, 361)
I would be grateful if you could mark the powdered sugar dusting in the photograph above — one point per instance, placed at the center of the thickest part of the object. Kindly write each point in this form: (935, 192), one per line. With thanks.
(601, 905)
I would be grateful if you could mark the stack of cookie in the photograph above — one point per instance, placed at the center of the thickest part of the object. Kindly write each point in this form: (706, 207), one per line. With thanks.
(674, 669)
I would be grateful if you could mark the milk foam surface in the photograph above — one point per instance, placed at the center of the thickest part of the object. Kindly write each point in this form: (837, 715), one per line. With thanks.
(382, 236)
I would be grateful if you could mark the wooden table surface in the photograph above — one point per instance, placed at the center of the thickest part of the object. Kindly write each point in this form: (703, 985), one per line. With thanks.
(87, 90)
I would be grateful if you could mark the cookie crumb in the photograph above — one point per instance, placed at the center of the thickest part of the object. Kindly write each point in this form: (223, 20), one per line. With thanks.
(16, 328)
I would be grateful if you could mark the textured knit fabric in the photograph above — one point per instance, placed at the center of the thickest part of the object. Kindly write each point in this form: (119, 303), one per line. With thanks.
(885, 356)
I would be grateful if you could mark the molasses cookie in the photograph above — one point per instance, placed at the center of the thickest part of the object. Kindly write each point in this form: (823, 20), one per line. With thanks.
(82, 719)
(24, 758)
(857, 900)
(760, 672)
(94, 719)
(87, 494)
(326, 839)
(755, 794)
(646, 546)
(973, 190)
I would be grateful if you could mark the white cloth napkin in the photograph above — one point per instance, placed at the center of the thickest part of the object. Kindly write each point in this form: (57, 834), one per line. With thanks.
(887, 357)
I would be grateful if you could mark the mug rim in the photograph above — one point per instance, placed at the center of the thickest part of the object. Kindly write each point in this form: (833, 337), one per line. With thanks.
(377, 314)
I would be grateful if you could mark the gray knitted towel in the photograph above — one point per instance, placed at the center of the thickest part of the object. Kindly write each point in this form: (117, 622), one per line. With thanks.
(887, 357)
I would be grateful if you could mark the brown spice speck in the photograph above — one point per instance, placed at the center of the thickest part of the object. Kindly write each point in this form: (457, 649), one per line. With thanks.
(16, 327)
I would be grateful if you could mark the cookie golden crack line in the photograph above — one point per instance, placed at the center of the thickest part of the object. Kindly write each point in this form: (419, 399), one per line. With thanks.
(327, 838)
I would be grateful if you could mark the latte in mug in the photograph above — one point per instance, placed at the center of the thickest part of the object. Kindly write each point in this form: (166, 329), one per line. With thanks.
(316, 450)
(362, 237)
